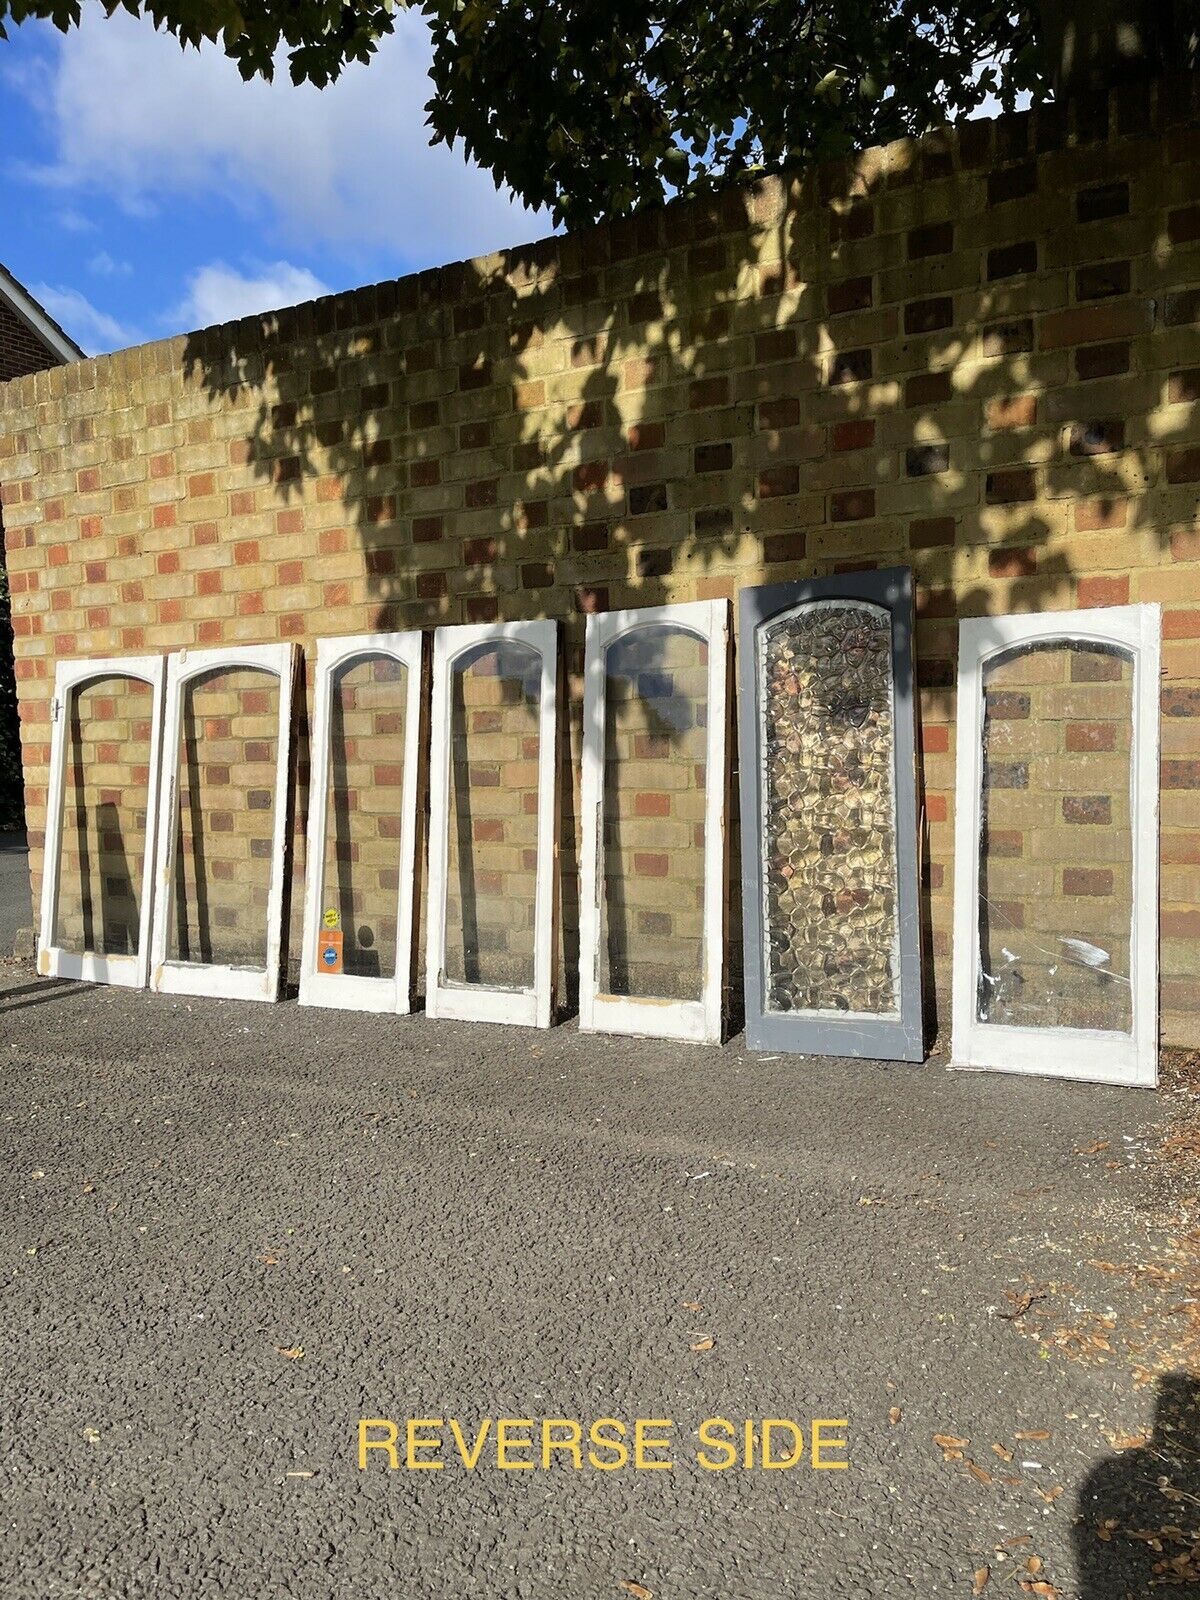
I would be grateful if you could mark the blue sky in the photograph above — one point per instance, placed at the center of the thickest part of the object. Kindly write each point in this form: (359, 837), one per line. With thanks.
(146, 190)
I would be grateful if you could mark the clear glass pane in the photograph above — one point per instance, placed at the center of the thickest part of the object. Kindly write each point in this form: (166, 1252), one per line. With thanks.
(1056, 847)
(105, 790)
(360, 878)
(229, 730)
(831, 941)
(652, 863)
(491, 881)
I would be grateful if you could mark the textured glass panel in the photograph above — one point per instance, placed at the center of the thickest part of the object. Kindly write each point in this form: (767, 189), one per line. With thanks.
(491, 859)
(655, 753)
(829, 836)
(361, 870)
(105, 790)
(1056, 848)
(229, 726)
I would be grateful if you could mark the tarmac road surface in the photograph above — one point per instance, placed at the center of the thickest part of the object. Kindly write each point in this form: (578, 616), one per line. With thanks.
(229, 1231)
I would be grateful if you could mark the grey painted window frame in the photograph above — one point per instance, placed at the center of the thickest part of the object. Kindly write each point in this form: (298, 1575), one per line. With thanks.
(893, 1038)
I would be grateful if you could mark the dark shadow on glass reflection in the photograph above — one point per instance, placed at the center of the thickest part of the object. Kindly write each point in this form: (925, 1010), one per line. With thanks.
(80, 813)
(358, 958)
(118, 896)
(638, 662)
(191, 796)
(1143, 1498)
(461, 822)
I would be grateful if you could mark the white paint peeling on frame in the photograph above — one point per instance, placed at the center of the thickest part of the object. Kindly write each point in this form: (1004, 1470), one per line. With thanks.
(70, 677)
(348, 991)
(188, 977)
(532, 1007)
(698, 1020)
(1092, 1055)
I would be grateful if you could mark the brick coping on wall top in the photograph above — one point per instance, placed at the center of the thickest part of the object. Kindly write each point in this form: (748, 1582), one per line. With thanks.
(1147, 110)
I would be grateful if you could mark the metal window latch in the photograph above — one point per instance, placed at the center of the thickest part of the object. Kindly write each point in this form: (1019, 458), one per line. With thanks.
(55, 709)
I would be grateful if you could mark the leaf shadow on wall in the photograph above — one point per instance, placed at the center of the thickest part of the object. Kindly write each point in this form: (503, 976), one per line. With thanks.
(760, 386)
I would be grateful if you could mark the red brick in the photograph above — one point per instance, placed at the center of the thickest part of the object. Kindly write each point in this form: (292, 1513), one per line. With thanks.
(1011, 486)
(1103, 591)
(1087, 880)
(1012, 411)
(1181, 624)
(646, 435)
(852, 505)
(651, 864)
(931, 533)
(652, 804)
(1093, 516)
(1014, 563)
(783, 547)
(773, 481)
(857, 434)
(1083, 737)
(1090, 324)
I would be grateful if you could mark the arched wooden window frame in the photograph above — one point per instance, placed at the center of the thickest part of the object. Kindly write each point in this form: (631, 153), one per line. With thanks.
(349, 991)
(127, 971)
(699, 1020)
(896, 1037)
(532, 1007)
(1088, 1054)
(189, 977)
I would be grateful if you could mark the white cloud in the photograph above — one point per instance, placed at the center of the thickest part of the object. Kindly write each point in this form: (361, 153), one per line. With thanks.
(90, 327)
(141, 121)
(217, 293)
(104, 266)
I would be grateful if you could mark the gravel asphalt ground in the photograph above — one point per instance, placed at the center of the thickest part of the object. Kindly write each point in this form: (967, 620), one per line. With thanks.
(229, 1231)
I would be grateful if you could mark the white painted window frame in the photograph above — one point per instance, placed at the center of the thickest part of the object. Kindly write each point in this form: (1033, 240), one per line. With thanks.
(53, 961)
(348, 991)
(1090, 1055)
(470, 1002)
(214, 979)
(696, 1020)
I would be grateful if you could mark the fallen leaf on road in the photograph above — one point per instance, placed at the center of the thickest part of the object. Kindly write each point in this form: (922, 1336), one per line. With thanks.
(979, 1473)
(1020, 1303)
(639, 1591)
(269, 1261)
(293, 1352)
(1051, 1495)
(1034, 1564)
(1040, 1587)
(1127, 1441)
(692, 1305)
(1032, 1433)
(982, 1578)
(949, 1441)
(702, 1344)
(894, 1415)
(1003, 1452)
(1094, 1149)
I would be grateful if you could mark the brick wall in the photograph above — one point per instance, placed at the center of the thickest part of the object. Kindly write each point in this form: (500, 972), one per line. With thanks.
(979, 355)
(21, 351)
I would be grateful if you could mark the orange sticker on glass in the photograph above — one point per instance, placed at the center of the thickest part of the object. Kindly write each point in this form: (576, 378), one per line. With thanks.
(329, 951)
